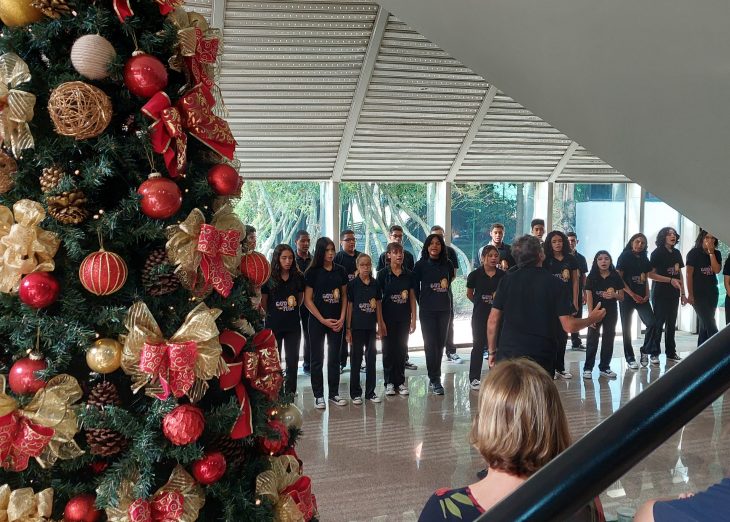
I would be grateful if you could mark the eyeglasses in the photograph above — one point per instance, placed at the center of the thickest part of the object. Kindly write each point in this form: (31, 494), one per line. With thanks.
(397, 236)
(348, 239)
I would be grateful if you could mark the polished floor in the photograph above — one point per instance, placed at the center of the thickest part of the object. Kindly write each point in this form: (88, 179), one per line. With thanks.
(380, 462)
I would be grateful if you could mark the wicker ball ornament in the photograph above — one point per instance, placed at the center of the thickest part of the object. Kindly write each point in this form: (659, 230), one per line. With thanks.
(103, 273)
(8, 167)
(91, 56)
(256, 268)
(79, 110)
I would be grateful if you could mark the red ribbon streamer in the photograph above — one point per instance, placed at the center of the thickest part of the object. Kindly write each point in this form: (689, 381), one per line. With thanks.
(173, 364)
(20, 440)
(214, 244)
(243, 427)
(206, 53)
(124, 10)
(167, 133)
(262, 367)
(164, 507)
(196, 107)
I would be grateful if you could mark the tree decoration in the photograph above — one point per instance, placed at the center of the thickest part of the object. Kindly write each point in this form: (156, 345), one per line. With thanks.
(79, 110)
(144, 75)
(103, 273)
(234, 450)
(291, 416)
(91, 56)
(161, 197)
(51, 177)
(289, 490)
(124, 10)
(104, 394)
(22, 378)
(180, 499)
(23, 505)
(183, 425)
(82, 508)
(24, 246)
(104, 356)
(39, 290)
(157, 283)
(44, 429)
(178, 366)
(256, 268)
(8, 167)
(196, 108)
(210, 468)
(225, 180)
(68, 208)
(197, 47)
(17, 107)
(17, 13)
(53, 8)
(276, 444)
(105, 442)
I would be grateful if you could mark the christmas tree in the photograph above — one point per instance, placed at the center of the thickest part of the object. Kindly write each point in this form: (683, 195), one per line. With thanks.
(136, 383)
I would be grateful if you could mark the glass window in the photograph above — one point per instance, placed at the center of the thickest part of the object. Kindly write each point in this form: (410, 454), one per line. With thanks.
(658, 215)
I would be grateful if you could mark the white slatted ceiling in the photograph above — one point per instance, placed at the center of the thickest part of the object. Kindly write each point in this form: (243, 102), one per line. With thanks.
(583, 165)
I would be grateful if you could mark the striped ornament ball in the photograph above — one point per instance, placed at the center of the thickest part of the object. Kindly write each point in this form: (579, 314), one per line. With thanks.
(255, 268)
(103, 273)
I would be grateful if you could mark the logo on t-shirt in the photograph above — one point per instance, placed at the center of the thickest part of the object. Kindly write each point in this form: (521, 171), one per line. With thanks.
(609, 293)
(488, 298)
(332, 297)
(565, 275)
(404, 295)
(400, 299)
(350, 277)
(286, 306)
(291, 301)
(444, 283)
(504, 264)
(707, 270)
(367, 307)
(440, 287)
(639, 279)
(673, 270)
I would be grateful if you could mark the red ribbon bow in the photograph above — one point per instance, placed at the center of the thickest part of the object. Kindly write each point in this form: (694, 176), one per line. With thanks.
(301, 493)
(20, 440)
(206, 53)
(262, 367)
(167, 133)
(124, 10)
(196, 107)
(243, 427)
(173, 364)
(165, 507)
(214, 244)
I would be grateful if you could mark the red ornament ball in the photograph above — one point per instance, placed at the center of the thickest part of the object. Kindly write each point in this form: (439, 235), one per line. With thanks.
(103, 273)
(145, 75)
(39, 290)
(23, 379)
(210, 468)
(183, 425)
(225, 180)
(272, 445)
(161, 197)
(98, 467)
(81, 508)
(256, 268)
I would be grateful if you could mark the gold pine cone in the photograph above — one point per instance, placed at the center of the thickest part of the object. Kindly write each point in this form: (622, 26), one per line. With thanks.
(68, 208)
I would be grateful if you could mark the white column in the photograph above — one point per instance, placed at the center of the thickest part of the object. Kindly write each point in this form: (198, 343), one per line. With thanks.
(543, 207)
(687, 319)
(330, 205)
(442, 208)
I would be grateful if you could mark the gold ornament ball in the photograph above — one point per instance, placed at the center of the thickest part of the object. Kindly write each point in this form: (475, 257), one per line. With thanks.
(17, 13)
(91, 55)
(104, 356)
(291, 416)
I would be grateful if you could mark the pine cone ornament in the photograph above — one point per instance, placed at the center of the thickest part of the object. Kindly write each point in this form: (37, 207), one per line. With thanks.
(233, 450)
(51, 177)
(105, 442)
(53, 8)
(8, 167)
(104, 394)
(68, 208)
(156, 282)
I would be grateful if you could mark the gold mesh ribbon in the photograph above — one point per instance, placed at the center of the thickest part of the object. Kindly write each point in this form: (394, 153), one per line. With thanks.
(199, 327)
(24, 246)
(16, 106)
(52, 407)
(197, 42)
(180, 483)
(22, 505)
(271, 483)
(182, 247)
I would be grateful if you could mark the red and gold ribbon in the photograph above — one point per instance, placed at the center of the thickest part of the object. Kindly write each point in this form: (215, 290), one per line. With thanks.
(173, 364)
(167, 134)
(21, 440)
(214, 244)
(262, 367)
(196, 107)
(165, 507)
(289, 490)
(124, 10)
(235, 342)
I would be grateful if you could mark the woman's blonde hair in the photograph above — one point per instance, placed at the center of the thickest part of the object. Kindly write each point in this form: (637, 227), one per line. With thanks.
(521, 424)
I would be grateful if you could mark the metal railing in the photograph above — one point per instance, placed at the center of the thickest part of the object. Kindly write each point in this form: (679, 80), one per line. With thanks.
(616, 445)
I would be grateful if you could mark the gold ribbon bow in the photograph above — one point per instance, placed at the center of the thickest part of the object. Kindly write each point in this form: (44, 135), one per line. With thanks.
(199, 328)
(22, 505)
(16, 106)
(52, 409)
(198, 47)
(182, 248)
(271, 484)
(24, 246)
(163, 503)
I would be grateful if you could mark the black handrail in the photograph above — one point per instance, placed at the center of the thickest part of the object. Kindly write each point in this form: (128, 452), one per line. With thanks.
(616, 445)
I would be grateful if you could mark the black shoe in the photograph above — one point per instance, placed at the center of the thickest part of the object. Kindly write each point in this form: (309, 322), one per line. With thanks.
(437, 388)
(410, 366)
(307, 371)
(673, 357)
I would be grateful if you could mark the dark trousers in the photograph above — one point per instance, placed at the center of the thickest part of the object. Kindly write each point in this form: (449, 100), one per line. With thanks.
(665, 314)
(705, 309)
(479, 344)
(450, 346)
(434, 327)
(363, 342)
(575, 336)
(304, 316)
(727, 309)
(651, 343)
(562, 337)
(395, 348)
(343, 353)
(608, 328)
(317, 335)
(290, 342)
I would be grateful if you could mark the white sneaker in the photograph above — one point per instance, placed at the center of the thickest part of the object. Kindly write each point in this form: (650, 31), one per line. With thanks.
(357, 401)
(402, 390)
(632, 365)
(654, 360)
(587, 374)
(339, 401)
(608, 374)
(375, 399)
(453, 358)
(475, 384)
(390, 389)
(565, 375)
(319, 403)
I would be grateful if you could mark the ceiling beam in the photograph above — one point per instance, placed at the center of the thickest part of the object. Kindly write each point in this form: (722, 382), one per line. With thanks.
(476, 123)
(358, 99)
(563, 162)
(218, 16)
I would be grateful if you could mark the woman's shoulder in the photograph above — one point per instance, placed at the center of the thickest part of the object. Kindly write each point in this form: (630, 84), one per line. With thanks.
(451, 504)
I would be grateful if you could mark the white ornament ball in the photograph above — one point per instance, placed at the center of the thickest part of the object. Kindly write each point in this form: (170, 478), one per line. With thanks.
(91, 56)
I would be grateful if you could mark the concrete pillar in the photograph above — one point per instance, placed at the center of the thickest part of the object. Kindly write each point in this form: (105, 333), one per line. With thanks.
(330, 205)
(442, 207)
(543, 205)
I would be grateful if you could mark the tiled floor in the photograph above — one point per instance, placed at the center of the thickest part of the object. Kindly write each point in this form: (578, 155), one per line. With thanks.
(380, 462)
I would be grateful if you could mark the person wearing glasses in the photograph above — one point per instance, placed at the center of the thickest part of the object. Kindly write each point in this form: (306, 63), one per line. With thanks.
(395, 235)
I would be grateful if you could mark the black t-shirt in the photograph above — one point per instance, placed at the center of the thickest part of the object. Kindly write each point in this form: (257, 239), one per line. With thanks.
(726, 268)
(635, 269)
(348, 262)
(704, 280)
(432, 283)
(667, 263)
(582, 268)
(532, 301)
(563, 269)
(506, 261)
(326, 288)
(282, 310)
(363, 298)
(453, 257)
(407, 261)
(396, 295)
(303, 262)
(484, 288)
(599, 285)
